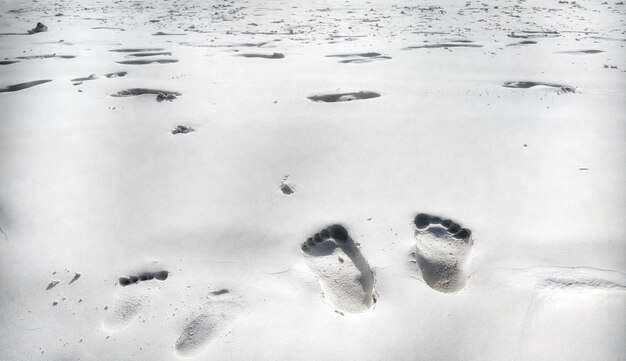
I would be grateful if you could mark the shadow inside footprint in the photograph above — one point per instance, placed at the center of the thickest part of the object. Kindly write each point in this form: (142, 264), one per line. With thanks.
(20, 86)
(442, 252)
(346, 280)
(444, 46)
(531, 84)
(143, 91)
(343, 97)
(264, 56)
(144, 62)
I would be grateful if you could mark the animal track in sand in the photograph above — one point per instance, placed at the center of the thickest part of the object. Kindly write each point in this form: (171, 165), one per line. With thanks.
(442, 251)
(344, 97)
(214, 320)
(346, 280)
(264, 56)
(359, 58)
(144, 62)
(530, 84)
(20, 86)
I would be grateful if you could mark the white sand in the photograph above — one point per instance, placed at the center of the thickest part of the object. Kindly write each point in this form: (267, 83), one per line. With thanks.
(97, 184)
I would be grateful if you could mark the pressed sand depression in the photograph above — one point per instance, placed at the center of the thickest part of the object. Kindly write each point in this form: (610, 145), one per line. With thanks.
(312, 180)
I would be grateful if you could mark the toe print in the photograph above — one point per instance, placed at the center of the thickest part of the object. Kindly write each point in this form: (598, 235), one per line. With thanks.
(346, 279)
(442, 252)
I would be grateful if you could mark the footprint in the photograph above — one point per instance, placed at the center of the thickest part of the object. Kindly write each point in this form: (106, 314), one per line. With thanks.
(46, 56)
(135, 50)
(264, 56)
(20, 86)
(359, 58)
(530, 84)
(344, 97)
(346, 279)
(144, 91)
(143, 276)
(444, 46)
(213, 321)
(125, 310)
(144, 62)
(165, 53)
(119, 74)
(442, 252)
(581, 52)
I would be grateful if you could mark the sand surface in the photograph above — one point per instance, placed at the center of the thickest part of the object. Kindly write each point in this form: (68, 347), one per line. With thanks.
(313, 180)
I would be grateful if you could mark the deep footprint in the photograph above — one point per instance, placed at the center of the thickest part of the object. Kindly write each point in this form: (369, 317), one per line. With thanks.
(143, 276)
(344, 97)
(442, 252)
(213, 321)
(346, 279)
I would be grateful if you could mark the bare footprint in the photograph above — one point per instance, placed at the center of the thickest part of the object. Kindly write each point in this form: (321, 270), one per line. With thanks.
(346, 279)
(124, 311)
(442, 252)
(213, 321)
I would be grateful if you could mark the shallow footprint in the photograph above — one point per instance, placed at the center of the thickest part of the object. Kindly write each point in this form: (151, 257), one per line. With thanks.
(125, 310)
(346, 279)
(213, 321)
(442, 252)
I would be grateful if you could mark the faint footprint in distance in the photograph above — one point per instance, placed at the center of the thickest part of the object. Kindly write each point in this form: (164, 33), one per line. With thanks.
(442, 252)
